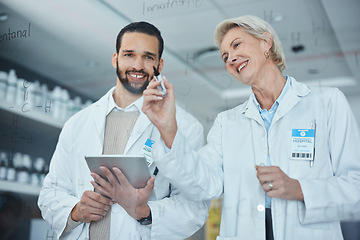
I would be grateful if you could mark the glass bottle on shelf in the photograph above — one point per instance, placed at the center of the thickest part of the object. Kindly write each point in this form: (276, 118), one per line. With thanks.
(77, 104)
(56, 103)
(20, 92)
(45, 99)
(11, 172)
(36, 96)
(36, 170)
(3, 83)
(23, 170)
(11, 86)
(17, 161)
(3, 165)
(64, 104)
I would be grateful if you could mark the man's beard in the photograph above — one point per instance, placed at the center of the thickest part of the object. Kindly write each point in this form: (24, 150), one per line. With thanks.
(127, 85)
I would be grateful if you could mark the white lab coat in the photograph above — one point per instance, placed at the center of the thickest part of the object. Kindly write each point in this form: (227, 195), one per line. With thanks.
(237, 142)
(173, 216)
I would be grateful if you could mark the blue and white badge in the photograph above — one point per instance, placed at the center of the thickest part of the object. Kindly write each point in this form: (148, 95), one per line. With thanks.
(303, 143)
(146, 151)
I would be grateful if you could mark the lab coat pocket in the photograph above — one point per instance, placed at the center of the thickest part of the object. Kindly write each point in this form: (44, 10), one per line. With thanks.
(300, 169)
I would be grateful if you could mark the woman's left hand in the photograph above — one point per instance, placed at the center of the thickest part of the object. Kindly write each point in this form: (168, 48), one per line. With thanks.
(277, 184)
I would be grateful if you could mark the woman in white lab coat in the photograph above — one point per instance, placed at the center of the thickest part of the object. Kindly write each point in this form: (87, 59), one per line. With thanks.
(290, 151)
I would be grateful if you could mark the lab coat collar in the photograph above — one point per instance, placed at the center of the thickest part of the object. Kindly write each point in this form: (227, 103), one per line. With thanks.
(291, 98)
(251, 111)
(140, 126)
(296, 91)
(134, 106)
(99, 116)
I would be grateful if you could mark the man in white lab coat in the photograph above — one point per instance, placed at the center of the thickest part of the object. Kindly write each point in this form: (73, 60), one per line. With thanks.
(67, 200)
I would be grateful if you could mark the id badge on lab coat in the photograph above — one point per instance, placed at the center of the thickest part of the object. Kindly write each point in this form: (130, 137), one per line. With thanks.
(302, 144)
(146, 151)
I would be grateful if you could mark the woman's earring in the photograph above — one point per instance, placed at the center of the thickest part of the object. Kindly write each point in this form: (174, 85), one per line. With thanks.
(266, 53)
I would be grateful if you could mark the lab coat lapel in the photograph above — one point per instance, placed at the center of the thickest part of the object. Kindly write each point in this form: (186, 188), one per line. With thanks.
(251, 111)
(292, 97)
(257, 127)
(140, 126)
(99, 117)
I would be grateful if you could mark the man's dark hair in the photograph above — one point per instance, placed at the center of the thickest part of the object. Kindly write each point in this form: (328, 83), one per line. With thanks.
(141, 27)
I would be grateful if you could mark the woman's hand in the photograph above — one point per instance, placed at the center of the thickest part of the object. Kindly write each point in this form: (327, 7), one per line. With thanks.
(161, 110)
(277, 184)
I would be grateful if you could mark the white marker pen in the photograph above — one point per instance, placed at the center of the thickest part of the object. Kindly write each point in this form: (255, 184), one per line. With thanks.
(159, 78)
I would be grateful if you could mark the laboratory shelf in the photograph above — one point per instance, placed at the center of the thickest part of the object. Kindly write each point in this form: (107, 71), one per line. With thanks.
(31, 132)
(20, 188)
(32, 114)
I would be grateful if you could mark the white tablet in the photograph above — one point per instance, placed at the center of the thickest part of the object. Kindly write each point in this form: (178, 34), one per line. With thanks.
(134, 167)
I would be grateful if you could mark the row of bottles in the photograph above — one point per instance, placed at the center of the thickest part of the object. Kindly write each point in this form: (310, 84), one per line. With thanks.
(22, 168)
(31, 96)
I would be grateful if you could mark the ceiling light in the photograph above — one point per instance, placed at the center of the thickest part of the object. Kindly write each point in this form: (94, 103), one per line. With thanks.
(205, 52)
(4, 17)
(277, 17)
(344, 81)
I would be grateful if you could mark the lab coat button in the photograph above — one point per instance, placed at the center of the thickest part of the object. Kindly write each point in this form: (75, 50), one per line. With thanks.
(260, 208)
(261, 164)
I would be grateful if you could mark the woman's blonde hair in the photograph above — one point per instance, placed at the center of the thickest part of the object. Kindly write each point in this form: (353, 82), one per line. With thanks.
(256, 27)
